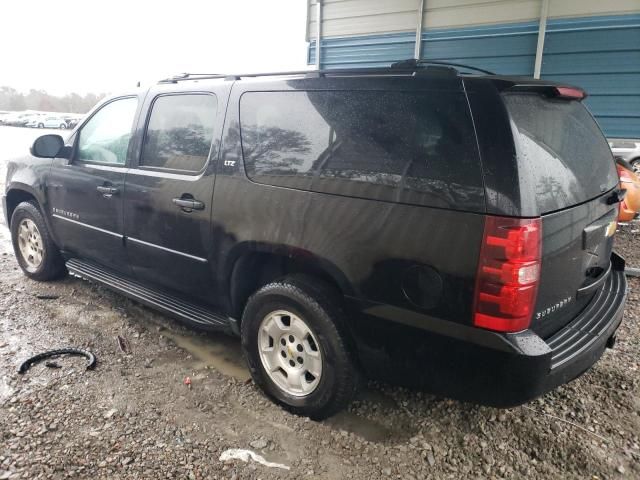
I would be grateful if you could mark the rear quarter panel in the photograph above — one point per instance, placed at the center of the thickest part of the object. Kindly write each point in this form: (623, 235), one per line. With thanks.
(367, 246)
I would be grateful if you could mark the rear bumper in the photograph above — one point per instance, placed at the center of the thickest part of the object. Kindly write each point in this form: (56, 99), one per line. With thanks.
(580, 344)
(494, 369)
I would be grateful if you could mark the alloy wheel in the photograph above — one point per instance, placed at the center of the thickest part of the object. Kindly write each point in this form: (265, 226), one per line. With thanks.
(30, 244)
(290, 353)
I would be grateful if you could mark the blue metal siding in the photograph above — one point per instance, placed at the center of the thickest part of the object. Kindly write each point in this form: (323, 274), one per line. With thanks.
(600, 54)
(365, 51)
(504, 49)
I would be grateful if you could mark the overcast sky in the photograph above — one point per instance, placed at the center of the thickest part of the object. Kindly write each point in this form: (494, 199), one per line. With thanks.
(104, 46)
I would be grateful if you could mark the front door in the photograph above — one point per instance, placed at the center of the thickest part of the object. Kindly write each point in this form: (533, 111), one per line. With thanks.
(168, 194)
(85, 193)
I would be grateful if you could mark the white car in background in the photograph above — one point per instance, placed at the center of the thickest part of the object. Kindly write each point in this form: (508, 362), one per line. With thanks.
(16, 119)
(627, 149)
(49, 121)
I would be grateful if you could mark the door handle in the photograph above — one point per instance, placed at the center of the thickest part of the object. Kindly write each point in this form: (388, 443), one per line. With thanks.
(107, 191)
(188, 204)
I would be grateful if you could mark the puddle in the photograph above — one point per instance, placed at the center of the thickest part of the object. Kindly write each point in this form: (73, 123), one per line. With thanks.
(368, 429)
(220, 352)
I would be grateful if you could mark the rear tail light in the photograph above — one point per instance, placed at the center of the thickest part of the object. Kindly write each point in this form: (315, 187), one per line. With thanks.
(570, 93)
(508, 274)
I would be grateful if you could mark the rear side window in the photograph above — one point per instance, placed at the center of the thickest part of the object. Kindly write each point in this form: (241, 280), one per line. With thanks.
(179, 132)
(562, 154)
(410, 147)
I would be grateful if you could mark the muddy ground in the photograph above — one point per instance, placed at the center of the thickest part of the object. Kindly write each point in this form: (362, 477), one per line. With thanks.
(133, 417)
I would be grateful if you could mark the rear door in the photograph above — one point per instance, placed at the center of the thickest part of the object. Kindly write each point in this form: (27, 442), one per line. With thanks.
(168, 193)
(567, 171)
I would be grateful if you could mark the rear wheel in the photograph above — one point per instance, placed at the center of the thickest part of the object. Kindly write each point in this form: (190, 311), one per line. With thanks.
(41, 125)
(635, 164)
(35, 251)
(63, 126)
(297, 347)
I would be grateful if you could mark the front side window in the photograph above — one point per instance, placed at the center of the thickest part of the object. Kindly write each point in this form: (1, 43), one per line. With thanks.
(180, 132)
(105, 138)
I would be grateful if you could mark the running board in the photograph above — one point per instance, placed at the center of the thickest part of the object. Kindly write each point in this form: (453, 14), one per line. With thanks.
(157, 299)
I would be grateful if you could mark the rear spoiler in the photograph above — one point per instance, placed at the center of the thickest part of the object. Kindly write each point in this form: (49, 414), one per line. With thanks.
(557, 91)
(532, 85)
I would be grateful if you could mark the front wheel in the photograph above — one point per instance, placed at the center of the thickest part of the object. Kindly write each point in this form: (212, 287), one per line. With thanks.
(37, 255)
(297, 347)
(41, 125)
(63, 126)
(635, 164)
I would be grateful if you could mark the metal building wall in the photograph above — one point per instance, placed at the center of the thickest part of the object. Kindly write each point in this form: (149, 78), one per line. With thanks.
(365, 17)
(602, 55)
(590, 43)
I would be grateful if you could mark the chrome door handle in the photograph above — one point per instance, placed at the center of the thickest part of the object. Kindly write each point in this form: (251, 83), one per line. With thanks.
(188, 204)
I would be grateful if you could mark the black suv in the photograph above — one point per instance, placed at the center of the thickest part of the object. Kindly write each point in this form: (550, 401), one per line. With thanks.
(416, 223)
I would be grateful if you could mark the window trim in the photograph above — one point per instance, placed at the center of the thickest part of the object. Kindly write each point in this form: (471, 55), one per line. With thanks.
(177, 171)
(78, 133)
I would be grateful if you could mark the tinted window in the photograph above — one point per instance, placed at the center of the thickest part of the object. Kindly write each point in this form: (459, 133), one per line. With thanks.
(562, 153)
(180, 132)
(105, 137)
(396, 146)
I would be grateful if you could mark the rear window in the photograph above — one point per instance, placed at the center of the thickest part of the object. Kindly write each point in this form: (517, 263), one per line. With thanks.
(562, 155)
(395, 146)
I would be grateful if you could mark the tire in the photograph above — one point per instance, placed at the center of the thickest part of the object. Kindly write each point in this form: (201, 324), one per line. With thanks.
(635, 165)
(63, 126)
(317, 305)
(51, 264)
(41, 125)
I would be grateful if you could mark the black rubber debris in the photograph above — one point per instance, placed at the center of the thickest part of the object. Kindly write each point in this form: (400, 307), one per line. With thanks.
(47, 296)
(91, 359)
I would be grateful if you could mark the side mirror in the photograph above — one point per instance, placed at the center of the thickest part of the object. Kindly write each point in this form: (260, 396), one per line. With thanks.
(47, 146)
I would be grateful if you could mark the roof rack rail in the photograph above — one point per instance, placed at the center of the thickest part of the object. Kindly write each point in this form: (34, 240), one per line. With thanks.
(413, 63)
(309, 73)
(407, 67)
(189, 76)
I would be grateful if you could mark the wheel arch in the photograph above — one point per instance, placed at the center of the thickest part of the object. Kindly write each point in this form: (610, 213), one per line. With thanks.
(256, 266)
(18, 193)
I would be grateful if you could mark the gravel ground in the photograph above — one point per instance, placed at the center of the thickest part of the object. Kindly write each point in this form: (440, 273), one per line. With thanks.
(133, 417)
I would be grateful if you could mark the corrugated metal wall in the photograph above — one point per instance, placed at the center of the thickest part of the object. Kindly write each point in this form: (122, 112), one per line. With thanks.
(602, 55)
(365, 17)
(599, 53)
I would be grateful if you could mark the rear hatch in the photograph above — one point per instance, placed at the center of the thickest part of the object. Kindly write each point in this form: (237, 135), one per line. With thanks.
(567, 167)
